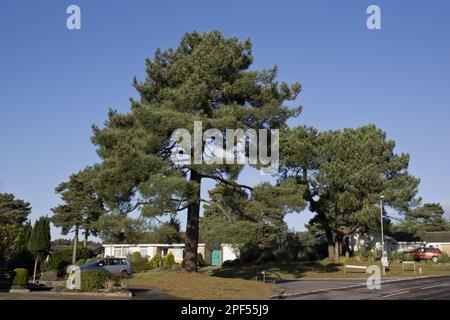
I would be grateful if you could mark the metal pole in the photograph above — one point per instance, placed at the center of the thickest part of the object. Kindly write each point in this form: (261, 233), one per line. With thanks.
(381, 222)
(382, 231)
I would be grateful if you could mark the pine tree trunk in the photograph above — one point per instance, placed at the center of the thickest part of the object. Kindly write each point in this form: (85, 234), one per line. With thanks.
(330, 242)
(35, 269)
(75, 246)
(86, 236)
(192, 226)
(337, 246)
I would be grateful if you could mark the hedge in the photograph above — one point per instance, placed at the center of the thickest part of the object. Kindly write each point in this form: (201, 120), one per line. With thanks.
(92, 280)
(20, 277)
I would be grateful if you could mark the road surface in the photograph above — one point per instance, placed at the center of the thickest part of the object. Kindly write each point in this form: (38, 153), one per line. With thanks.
(428, 288)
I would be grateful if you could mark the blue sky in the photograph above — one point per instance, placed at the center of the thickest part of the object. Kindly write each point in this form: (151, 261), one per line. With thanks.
(56, 83)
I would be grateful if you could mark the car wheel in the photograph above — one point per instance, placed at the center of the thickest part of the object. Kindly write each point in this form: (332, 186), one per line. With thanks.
(124, 274)
(434, 259)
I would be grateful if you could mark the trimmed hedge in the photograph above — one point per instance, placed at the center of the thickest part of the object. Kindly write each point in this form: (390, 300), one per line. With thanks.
(92, 280)
(20, 277)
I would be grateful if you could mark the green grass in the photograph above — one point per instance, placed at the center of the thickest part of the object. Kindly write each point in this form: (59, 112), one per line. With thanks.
(238, 282)
(322, 269)
(201, 286)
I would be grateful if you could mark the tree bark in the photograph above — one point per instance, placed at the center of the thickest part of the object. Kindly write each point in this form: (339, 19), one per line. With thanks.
(35, 269)
(75, 246)
(337, 248)
(330, 242)
(192, 225)
(86, 236)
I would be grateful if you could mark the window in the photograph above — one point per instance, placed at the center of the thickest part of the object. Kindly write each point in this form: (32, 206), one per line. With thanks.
(117, 251)
(164, 252)
(126, 251)
(143, 251)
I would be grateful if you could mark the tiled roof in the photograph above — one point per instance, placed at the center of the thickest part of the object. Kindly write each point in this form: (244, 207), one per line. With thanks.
(436, 236)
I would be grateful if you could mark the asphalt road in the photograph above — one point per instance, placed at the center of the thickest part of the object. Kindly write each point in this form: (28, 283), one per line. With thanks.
(430, 288)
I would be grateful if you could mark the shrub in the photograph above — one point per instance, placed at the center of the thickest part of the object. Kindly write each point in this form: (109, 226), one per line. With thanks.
(136, 257)
(20, 277)
(92, 280)
(444, 258)
(140, 265)
(155, 262)
(365, 256)
(59, 260)
(265, 257)
(230, 263)
(84, 253)
(168, 261)
(200, 260)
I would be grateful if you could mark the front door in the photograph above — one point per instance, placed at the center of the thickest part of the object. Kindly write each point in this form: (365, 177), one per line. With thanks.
(215, 258)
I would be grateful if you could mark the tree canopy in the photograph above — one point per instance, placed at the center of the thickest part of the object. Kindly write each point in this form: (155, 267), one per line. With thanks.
(206, 78)
(345, 173)
(82, 206)
(428, 217)
(12, 210)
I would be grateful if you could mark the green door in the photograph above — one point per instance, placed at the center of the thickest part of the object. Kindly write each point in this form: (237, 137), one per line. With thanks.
(215, 258)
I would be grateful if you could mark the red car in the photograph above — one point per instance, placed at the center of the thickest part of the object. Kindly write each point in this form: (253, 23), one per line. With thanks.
(426, 254)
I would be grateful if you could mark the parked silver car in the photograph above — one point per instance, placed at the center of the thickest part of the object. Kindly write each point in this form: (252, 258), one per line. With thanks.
(118, 266)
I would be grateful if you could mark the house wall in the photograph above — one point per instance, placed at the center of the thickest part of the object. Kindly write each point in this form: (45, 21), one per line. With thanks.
(371, 241)
(228, 253)
(151, 250)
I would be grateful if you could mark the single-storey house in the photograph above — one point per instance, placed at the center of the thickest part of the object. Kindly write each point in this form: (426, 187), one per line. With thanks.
(437, 239)
(213, 257)
(371, 240)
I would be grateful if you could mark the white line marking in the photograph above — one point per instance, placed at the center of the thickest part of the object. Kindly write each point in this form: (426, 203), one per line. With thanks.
(395, 294)
(438, 285)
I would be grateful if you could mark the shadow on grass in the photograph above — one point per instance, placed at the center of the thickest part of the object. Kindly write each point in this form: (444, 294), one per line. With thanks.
(275, 271)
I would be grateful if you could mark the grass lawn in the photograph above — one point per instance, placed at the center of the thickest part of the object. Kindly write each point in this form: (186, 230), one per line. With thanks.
(202, 286)
(323, 269)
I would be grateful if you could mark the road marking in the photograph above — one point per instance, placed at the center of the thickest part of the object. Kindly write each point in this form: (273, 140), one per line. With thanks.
(438, 285)
(395, 294)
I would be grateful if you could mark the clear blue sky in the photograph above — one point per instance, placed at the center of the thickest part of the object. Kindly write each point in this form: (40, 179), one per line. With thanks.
(56, 83)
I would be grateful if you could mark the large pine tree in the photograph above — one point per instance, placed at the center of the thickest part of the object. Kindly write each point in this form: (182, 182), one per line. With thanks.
(345, 172)
(82, 206)
(207, 78)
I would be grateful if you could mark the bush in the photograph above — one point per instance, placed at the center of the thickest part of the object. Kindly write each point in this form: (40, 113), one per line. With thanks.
(20, 277)
(84, 253)
(399, 257)
(168, 261)
(136, 257)
(265, 257)
(230, 263)
(155, 262)
(444, 258)
(92, 280)
(365, 256)
(140, 265)
(58, 261)
(200, 260)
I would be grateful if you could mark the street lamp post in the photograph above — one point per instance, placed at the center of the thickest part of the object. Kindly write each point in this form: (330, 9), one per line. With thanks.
(381, 222)
(382, 232)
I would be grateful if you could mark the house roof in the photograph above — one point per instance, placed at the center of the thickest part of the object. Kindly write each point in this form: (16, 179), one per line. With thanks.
(436, 236)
